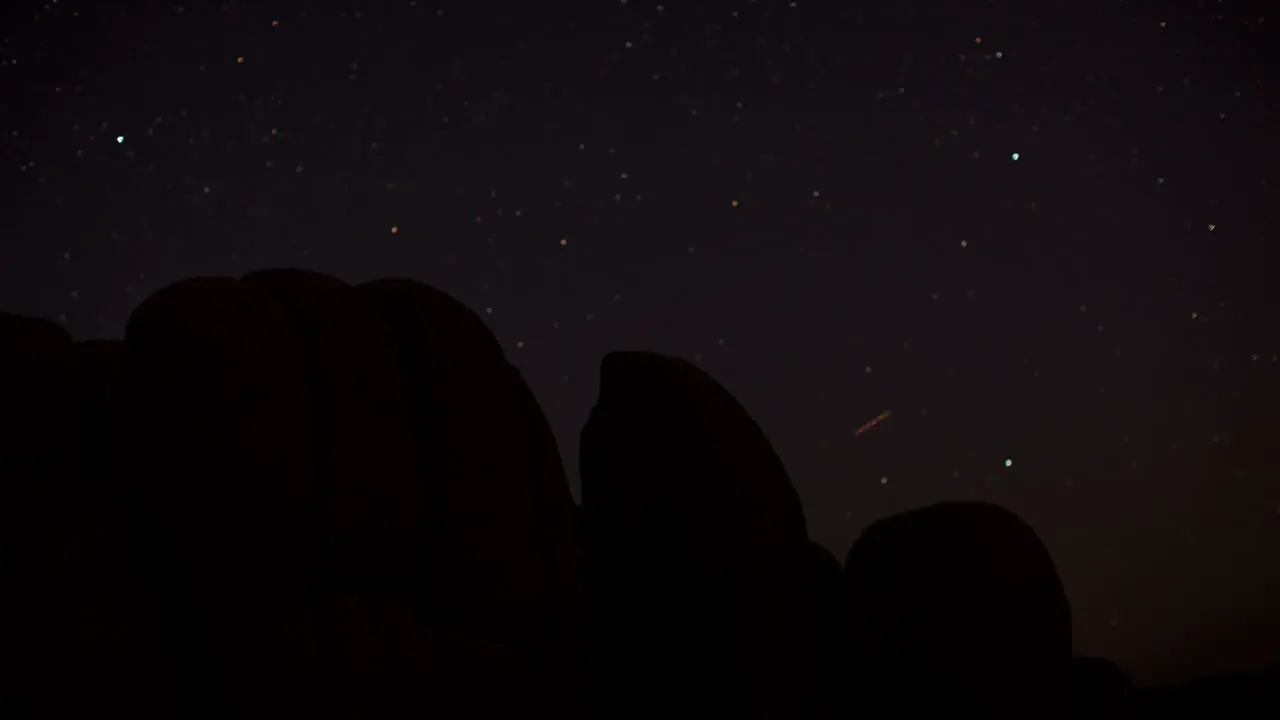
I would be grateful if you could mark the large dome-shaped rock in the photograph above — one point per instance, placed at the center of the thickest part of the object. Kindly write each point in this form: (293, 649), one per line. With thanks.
(322, 500)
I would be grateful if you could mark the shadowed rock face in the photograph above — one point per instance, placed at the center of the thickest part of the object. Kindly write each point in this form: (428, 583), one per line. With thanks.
(285, 494)
(697, 538)
(957, 606)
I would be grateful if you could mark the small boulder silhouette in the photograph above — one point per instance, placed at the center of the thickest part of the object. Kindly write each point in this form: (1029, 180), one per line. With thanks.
(957, 607)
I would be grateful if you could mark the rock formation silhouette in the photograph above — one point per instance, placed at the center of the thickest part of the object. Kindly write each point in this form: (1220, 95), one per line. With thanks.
(286, 495)
(958, 606)
(282, 494)
(696, 536)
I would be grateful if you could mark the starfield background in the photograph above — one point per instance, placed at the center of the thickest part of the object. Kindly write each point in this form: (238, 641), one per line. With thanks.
(1034, 239)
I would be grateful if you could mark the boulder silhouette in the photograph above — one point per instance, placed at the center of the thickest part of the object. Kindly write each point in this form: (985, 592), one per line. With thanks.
(703, 586)
(956, 607)
(310, 498)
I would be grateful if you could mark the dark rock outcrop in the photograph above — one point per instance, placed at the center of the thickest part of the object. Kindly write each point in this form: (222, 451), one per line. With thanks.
(703, 585)
(286, 495)
(282, 495)
(957, 607)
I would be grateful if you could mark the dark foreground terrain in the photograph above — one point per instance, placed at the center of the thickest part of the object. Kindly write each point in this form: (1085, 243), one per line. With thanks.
(282, 495)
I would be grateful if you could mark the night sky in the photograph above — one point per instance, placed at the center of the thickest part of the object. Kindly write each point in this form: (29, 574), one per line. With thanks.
(1038, 234)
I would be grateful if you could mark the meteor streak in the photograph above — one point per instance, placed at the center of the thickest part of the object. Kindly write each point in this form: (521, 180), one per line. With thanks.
(873, 422)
